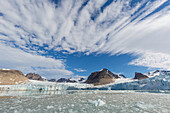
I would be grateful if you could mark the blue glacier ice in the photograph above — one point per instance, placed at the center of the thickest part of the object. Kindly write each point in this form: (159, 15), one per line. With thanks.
(159, 82)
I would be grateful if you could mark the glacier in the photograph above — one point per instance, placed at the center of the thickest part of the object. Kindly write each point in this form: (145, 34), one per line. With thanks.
(35, 85)
(157, 82)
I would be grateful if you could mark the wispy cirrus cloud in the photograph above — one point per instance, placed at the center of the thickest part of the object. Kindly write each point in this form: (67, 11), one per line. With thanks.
(138, 27)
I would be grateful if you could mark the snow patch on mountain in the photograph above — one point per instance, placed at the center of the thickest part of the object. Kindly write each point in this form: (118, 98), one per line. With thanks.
(153, 73)
(78, 78)
(161, 82)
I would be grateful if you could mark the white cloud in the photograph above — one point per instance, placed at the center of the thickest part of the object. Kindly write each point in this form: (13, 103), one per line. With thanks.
(112, 31)
(79, 70)
(13, 58)
(153, 60)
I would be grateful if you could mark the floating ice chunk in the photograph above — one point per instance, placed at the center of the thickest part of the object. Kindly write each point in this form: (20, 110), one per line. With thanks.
(98, 102)
(50, 107)
(142, 105)
(15, 111)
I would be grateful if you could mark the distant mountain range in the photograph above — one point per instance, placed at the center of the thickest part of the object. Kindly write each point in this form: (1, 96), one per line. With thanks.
(34, 76)
(101, 77)
(74, 79)
(105, 77)
(156, 80)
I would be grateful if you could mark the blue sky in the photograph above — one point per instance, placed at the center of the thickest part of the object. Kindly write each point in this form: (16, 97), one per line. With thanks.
(91, 63)
(64, 38)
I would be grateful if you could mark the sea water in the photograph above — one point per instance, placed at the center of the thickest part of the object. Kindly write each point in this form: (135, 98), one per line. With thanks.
(92, 101)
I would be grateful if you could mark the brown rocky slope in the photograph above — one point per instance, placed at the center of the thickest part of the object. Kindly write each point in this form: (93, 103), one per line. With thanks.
(12, 77)
(140, 76)
(34, 76)
(101, 77)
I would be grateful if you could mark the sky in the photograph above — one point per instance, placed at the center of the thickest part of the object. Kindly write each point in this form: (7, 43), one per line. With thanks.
(65, 38)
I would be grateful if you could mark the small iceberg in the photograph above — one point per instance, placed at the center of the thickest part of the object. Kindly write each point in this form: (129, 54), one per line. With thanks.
(98, 102)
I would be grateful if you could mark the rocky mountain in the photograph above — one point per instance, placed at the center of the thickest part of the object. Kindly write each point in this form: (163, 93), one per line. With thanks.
(157, 72)
(78, 78)
(121, 76)
(74, 79)
(12, 77)
(66, 80)
(153, 73)
(52, 80)
(81, 80)
(34, 76)
(140, 76)
(157, 82)
(102, 77)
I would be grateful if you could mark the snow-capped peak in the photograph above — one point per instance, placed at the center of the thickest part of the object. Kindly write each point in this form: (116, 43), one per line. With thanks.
(156, 73)
(78, 78)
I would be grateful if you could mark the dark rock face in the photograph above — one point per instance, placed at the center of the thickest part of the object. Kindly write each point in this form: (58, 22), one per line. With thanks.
(62, 80)
(34, 76)
(164, 72)
(66, 80)
(101, 77)
(81, 79)
(140, 76)
(157, 72)
(52, 80)
(121, 76)
(12, 77)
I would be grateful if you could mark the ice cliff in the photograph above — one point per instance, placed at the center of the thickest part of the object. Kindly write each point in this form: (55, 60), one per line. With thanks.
(158, 82)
